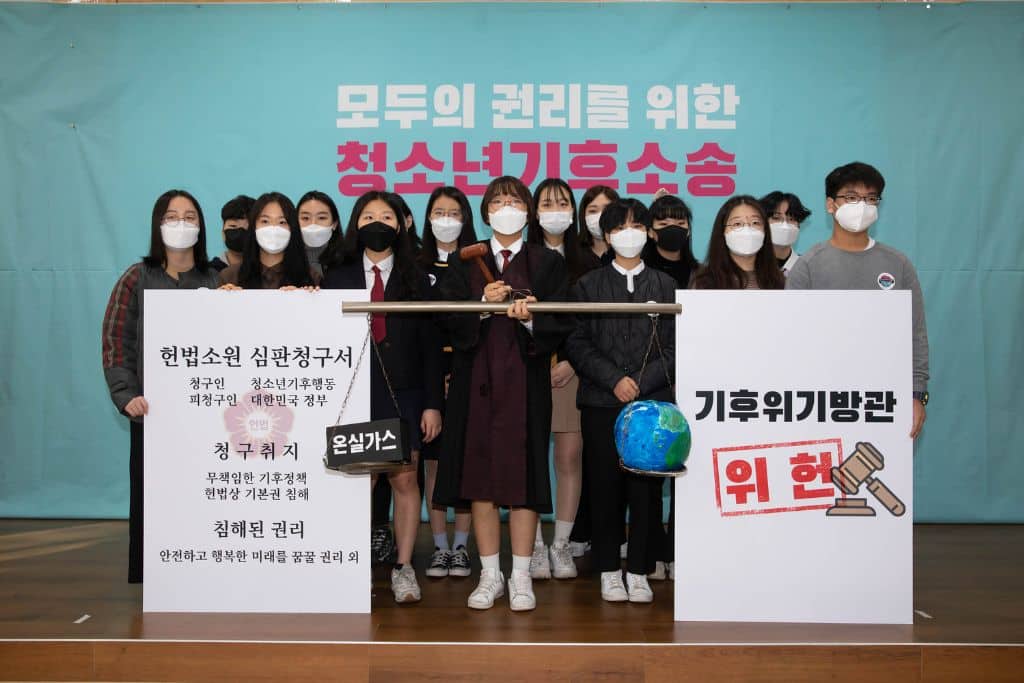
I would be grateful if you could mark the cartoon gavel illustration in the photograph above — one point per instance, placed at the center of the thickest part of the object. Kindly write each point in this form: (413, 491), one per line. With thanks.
(857, 470)
(477, 252)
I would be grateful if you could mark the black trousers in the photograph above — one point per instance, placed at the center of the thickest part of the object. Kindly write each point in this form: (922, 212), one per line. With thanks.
(380, 508)
(136, 487)
(581, 525)
(665, 545)
(611, 490)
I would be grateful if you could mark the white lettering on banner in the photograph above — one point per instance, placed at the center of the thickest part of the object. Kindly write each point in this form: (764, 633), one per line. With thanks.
(799, 483)
(538, 105)
(357, 100)
(237, 495)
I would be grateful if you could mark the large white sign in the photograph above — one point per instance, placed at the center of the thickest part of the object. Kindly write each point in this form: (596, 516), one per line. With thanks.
(780, 388)
(240, 513)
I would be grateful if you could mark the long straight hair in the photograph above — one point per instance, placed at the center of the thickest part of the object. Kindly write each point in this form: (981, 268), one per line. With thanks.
(570, 238)
(586, 239)
(348, 251)
(428, 253)
(157, 256)
(720, 270)
(295, 264)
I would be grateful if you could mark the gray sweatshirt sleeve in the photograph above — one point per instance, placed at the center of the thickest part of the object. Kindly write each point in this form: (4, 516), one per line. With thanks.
(920, 328)
(799, 276)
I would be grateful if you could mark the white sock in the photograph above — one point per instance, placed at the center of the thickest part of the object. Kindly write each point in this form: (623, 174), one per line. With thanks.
(540, 537)
(562, 532)
(461, 539)
(441, 540)
(521, 563)
(491, 562)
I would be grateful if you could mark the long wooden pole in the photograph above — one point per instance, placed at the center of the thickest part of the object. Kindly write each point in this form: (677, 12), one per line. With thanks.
(483, 307)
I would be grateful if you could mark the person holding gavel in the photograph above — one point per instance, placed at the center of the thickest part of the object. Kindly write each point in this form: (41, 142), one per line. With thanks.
(495, 449)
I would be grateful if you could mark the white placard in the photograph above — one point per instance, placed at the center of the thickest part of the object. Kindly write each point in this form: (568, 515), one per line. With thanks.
(778, 387)
(240, 513)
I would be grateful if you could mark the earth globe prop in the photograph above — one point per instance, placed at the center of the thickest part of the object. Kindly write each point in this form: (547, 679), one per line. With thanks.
(652, 438)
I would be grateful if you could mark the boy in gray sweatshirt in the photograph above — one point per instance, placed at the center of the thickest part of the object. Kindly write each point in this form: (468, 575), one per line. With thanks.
(853, 260)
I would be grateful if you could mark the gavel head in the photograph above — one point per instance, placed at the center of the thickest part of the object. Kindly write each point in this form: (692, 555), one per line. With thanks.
(858, 468)
(478, 250)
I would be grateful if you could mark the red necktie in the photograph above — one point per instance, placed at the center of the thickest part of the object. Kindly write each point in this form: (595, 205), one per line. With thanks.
(377, 294)
(506, 255)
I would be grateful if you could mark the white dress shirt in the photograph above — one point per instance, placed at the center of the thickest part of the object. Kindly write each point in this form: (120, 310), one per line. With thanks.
(385, 266)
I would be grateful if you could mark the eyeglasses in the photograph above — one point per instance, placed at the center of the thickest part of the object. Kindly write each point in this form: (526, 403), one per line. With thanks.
(172, 216)
(754, 223)
(497, 203)
(853, 197)
(441, 213)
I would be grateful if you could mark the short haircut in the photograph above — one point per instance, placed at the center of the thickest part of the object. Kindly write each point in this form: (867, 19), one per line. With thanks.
(616, 213)
(237, 208)
(770, 202)
(670, 207)
(851, 174)
(507, 184)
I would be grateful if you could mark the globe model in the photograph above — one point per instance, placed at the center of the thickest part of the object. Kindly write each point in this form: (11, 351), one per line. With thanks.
(652, 437)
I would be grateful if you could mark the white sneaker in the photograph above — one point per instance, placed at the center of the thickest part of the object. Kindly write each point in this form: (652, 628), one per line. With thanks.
(539, 566)
(403, 584)
(659, 571)
(520, 592)
(639, 589)
(612, 588)
(562, 566)
(624, 550)
(671, 571)
(490, 588)
(579, 549)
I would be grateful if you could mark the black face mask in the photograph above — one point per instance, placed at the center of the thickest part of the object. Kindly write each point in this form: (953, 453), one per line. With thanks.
(377, 236)
(672, 237)
(236, 239)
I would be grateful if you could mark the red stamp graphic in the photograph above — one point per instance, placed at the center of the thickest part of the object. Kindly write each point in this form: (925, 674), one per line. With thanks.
(776, 477)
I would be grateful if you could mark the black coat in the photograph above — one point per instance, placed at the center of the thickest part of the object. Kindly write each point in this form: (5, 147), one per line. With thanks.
(411, 351)
(548, 282)
(605, 348)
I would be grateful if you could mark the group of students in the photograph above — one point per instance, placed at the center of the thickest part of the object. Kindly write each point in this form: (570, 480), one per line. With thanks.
(484, 394)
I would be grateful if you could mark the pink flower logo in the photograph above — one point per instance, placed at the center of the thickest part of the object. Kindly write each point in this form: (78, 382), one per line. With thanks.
(257, 424)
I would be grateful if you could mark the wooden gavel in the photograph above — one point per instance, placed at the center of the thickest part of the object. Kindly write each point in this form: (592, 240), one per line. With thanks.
(477, 252)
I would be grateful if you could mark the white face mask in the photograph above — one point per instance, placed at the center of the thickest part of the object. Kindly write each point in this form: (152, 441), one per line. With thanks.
(508, 220)
(629, 242)
(784, 234)
(856, 216)
(745, 240)
(316, 235)
(593, 221)
(273, 238)
(446, 228)
(555, 222)
(179, 235)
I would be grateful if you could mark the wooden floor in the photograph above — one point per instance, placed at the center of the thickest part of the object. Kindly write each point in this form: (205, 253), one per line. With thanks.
(969, 593)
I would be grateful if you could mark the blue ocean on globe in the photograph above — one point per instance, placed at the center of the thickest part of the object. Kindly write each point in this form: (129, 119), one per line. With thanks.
(652, 436)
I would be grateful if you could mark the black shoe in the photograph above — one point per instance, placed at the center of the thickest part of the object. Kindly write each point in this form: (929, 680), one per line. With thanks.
(458, 562)
(439, 563)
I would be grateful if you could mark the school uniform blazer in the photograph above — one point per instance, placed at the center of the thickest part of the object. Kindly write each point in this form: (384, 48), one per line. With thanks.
(411, 351)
